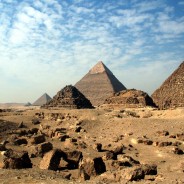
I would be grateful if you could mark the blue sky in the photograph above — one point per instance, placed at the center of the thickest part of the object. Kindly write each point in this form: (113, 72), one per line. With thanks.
(47, 44)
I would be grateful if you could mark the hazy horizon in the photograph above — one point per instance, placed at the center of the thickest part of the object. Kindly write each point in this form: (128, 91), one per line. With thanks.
(46, 45)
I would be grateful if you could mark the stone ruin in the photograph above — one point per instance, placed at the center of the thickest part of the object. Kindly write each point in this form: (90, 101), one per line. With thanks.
(171, 93)
(69, 156)
(111, 164)
(130, 98)
(69, 97)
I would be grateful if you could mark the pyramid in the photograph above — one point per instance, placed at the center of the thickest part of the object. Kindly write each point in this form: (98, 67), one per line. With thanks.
(42, 100)
(98, 84)
(27, 104)
(69, 97)
(130, 98)
(171, 93)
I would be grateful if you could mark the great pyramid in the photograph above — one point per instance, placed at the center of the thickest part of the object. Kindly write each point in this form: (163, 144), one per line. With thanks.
(42, 100)
(171, 93)
(69, 97)
(130, 98)
(98, 84)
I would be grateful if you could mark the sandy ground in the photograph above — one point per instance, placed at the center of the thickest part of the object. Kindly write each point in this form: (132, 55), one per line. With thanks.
(111, 128)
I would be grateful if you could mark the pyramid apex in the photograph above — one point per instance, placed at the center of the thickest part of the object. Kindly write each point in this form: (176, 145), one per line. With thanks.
(100, 62)
(99, 68)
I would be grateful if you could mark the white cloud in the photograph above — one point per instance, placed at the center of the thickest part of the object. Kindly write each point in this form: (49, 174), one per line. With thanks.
(17, 36)
(38, 4)
(173, 27)
(129, 18)
(146, 6)
(82, 10)
(181, 3)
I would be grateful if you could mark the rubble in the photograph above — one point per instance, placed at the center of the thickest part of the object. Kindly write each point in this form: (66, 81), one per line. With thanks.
(36, 139)
(16, 160)
(97, 147)
(40, 149)
(3, 145)
(130, 98)
(73, 158)
(90, 167)
(133, 174)
(52, 159)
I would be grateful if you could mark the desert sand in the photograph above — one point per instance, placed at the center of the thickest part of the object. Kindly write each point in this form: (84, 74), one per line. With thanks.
(147, 135)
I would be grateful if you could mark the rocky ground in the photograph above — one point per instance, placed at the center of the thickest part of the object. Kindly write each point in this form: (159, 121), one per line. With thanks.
(100, 145)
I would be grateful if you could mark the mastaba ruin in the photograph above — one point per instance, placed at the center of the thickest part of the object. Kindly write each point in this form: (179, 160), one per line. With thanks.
(69, 97)
(130, 98)
(99, 83)
(171, 93)
(42, 100)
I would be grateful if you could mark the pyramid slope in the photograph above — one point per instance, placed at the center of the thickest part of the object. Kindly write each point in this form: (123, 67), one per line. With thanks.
(42, 100)
(69, 97)
(171, 93)
(130, 98)
(98, 84)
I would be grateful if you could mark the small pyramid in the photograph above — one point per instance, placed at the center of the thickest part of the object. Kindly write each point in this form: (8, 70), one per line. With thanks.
(99, 83)
(130, 98)
(28, 104)
(42, 100)
(69, 97)
(171, 93)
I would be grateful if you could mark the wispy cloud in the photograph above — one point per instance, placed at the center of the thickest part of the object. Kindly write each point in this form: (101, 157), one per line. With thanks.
(147, 6)
(181, 3)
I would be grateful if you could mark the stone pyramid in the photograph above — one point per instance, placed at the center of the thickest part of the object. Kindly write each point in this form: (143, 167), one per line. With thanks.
(98, 84)
(27, 104)
(42, 100)
(171, 93)
(130, 98)
(69, 97)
